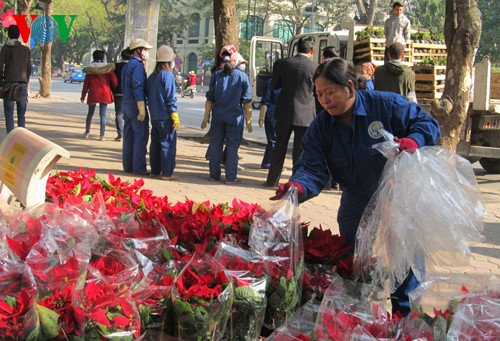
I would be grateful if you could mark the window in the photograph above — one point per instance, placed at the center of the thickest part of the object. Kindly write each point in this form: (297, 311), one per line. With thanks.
(192, 62)
(283, 29)
(194, 27)
(317, 28)
(255, 27)
(207, 26)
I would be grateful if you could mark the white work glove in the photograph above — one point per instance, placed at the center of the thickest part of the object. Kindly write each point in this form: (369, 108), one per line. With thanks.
(262, 115)
(142, 111)
(247, 109)
(206, 117)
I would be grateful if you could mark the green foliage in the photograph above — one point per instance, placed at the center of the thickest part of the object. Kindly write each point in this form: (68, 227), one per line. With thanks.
(370, 32)
(428, 14)
(490, 36)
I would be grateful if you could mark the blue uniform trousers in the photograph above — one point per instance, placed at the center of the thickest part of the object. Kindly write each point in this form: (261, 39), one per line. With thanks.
(270, 129)
(135, 141)
(232, 130)
(163, 147)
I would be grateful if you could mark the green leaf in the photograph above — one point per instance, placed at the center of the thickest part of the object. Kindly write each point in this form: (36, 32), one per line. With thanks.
(48, 320)
(11, 301)
(440, 329)
(77, 189)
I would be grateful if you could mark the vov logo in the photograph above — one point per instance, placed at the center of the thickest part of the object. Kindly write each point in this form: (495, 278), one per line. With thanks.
(44, 29)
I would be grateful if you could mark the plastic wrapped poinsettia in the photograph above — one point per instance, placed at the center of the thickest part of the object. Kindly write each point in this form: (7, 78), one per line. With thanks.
(102, 302)
(277, 238)
(246, 270)
(18, 316)
(202, 298)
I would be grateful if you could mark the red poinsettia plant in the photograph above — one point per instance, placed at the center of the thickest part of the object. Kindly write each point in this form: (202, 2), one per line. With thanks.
(247, 272)
(202, 297)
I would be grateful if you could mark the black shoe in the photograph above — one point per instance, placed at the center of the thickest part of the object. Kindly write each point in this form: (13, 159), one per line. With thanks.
(267, 184)
(118, 138)
(235, 181)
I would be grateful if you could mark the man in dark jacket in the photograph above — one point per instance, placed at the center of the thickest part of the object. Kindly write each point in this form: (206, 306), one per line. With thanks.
(295, 109)
(15, 67)
(394, 76)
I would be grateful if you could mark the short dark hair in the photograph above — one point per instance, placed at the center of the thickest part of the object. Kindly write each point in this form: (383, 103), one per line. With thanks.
(13, 32)
(305, 44)
(125, 54)
(396, 50)
(396, 4)
(330, 52)
(98, 55)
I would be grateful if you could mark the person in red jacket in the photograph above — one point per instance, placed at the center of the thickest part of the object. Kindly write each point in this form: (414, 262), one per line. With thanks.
(99, 81)
(192, 80)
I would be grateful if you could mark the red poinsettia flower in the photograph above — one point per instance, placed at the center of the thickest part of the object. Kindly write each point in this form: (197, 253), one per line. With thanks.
(13, 310)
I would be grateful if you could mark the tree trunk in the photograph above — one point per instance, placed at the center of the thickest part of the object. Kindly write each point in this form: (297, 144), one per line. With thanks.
(462, 34)
(225, 24)
(370, 15)
(360, 4)
(46, 78)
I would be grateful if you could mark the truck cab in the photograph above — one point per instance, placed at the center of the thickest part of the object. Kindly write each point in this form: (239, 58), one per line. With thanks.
(265, 51)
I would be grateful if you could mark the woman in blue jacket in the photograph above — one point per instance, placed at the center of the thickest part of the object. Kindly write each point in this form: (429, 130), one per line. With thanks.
(339, 142)
(162, 103)
(229, 100)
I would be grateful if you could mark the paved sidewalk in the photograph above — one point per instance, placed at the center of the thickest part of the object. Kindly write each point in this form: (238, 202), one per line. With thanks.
(63, 123)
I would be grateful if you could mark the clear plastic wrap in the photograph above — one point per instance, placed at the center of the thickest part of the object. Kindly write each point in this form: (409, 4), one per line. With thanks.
(426, 209)
(347, 305)
(477, 318)
(300, 326)
(202, 297)
(246, 270)
(277, 237)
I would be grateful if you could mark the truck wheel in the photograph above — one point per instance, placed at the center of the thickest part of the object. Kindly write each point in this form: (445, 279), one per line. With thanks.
(490, 165)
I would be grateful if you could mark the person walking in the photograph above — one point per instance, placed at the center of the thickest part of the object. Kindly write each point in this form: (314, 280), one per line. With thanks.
(339, 142)
(267, 119)
(99, 81)
(394, 76)
(162, 103)
(135, 116)
(15, 67)
(118, 94)
(295, 108)
(229, 100)
(397, 28)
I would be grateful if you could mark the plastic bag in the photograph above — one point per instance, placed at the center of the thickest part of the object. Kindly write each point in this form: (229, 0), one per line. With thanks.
(277, 237)
(300, 326)
(347, 305)
(202, 297)
(477, 318)
(246, 270)
(426, 209)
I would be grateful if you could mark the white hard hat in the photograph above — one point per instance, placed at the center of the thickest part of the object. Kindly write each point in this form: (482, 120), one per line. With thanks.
(165, 54)
(136, 43)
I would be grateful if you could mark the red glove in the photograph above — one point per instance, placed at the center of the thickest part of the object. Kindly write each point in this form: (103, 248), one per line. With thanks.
(283, 188)
(407, 144)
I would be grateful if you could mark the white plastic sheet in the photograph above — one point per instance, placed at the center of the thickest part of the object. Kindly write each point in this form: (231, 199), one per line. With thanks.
(426, 209)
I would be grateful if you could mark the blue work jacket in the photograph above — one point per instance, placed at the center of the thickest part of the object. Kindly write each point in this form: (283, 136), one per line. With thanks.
(270, 98)
(160, 91)
(227, 93)
(133, 86)
(332, 148)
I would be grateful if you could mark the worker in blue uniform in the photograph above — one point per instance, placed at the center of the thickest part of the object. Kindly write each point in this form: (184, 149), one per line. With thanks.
(135, 117)
(165, 120)
(229, 99)
(268, 120)
(339, 142)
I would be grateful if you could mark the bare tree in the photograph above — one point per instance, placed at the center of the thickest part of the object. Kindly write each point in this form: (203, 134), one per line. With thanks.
(226, 23)
(46, 77)
(462, 33)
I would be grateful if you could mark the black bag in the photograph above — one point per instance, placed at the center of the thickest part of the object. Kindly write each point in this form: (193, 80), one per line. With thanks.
(12, 92)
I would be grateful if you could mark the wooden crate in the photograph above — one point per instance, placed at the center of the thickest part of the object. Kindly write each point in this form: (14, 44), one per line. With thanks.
(425, 50)
(495, 86)
(372, 50)
(429, 80)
